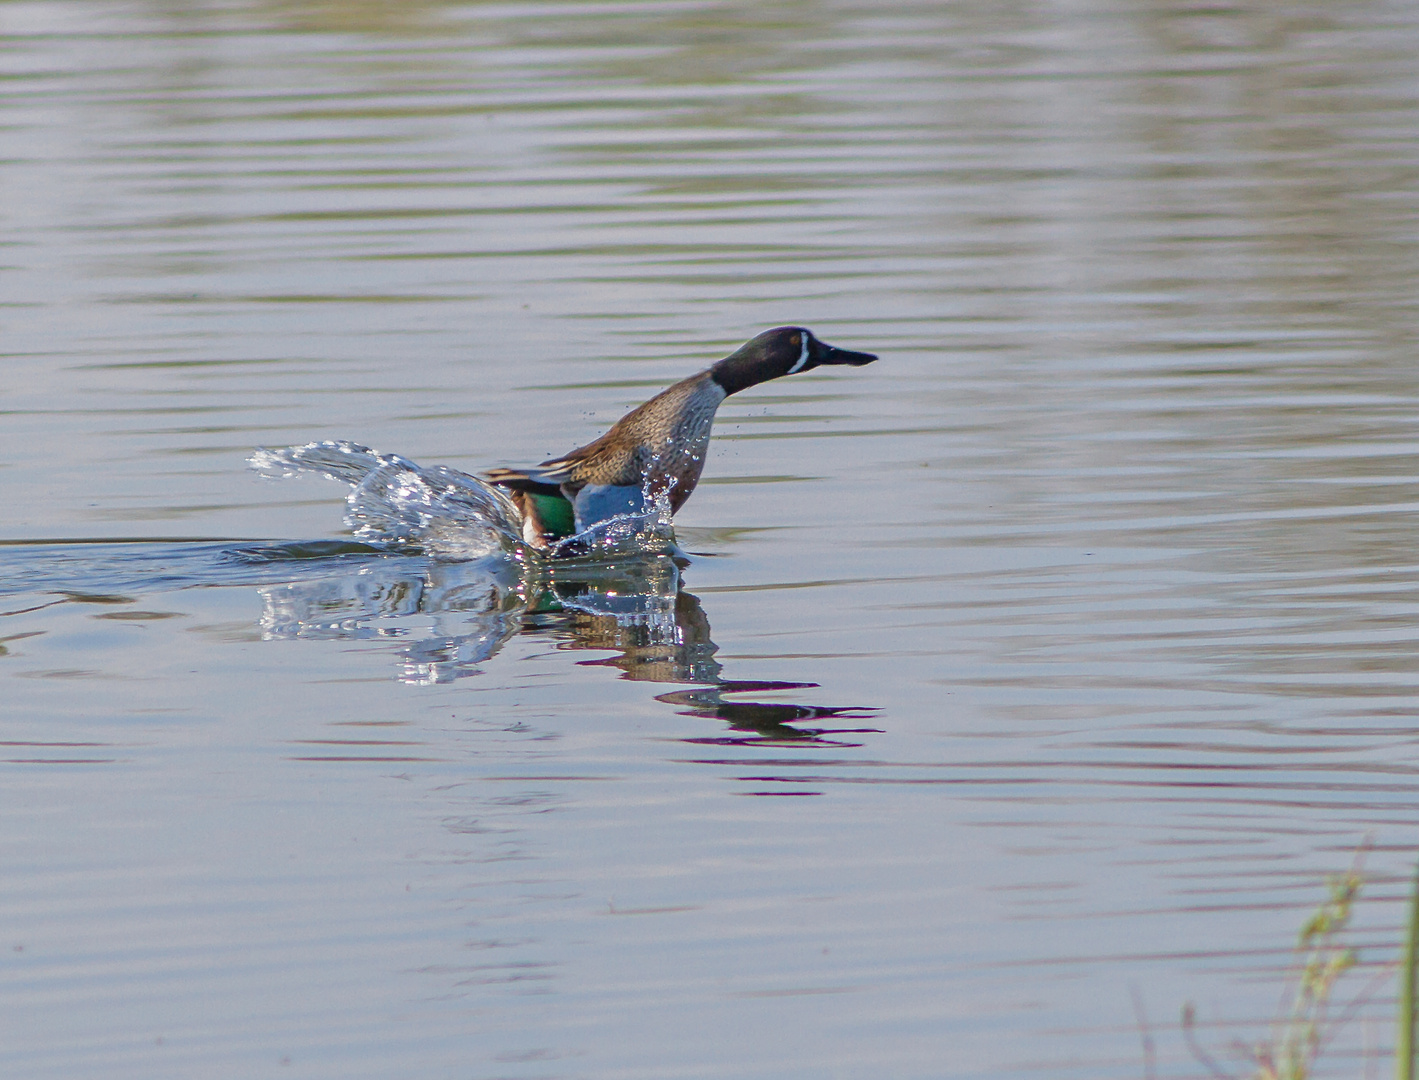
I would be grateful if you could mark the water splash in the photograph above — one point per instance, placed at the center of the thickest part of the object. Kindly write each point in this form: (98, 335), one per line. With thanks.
(620, 536)
(449, 617)
(395, 503)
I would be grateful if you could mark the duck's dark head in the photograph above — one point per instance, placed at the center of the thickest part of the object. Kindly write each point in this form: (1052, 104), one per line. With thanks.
(784, 350)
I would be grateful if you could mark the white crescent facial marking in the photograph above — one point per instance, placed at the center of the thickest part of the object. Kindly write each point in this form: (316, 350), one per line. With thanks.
(802, 357)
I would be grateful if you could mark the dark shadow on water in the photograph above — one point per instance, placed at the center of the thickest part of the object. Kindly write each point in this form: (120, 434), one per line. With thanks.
(448, 619)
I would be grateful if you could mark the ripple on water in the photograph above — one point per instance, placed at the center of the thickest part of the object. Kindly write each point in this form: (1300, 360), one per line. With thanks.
(1076, 637)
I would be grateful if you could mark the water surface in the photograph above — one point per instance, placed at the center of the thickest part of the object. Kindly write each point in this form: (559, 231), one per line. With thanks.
(1059, 653)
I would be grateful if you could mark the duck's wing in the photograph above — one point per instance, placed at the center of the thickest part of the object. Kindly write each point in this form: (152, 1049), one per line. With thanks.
(547, 514)
(611, 459)
(596, 503)
(601, 462)
(528, 480)
(552, 514)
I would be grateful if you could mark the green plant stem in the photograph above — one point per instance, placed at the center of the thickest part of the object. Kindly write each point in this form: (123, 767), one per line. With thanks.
(1404, 1046)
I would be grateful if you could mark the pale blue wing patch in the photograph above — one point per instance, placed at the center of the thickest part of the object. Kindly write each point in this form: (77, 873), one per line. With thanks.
(598, 502)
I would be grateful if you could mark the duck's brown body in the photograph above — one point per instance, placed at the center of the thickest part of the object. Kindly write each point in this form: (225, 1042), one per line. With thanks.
(659, 445)
(658, 448)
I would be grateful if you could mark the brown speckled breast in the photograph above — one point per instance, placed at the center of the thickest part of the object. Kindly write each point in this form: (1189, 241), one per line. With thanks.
(663, 441)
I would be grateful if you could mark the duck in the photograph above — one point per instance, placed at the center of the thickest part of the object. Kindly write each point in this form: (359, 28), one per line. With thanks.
(657, 450)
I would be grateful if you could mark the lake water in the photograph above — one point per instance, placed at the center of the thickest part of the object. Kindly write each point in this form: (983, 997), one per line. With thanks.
(1050, 661)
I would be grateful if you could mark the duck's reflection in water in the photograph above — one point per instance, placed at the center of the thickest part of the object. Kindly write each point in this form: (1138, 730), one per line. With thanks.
(677, 648)
(451, 618)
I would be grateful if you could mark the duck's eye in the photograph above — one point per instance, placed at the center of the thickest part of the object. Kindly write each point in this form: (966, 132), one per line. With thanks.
(794, 340)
